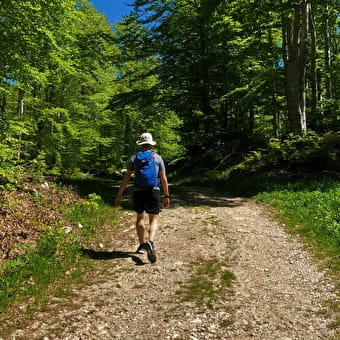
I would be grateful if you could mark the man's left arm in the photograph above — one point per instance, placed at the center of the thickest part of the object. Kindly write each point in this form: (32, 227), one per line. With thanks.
(165, 186)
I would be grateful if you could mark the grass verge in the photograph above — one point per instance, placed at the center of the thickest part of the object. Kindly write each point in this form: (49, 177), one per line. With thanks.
(32, 275)
(313, 211)
(54, 264)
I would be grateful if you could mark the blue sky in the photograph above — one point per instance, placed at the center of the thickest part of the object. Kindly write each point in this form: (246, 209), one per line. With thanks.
(114, 10)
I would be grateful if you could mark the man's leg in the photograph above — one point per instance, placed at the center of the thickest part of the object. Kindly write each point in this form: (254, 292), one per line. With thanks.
(140, 228)
(153, 211)
(150, 248)
(153, 221)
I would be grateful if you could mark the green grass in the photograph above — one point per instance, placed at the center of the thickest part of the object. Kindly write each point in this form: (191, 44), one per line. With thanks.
(31, 273)
(92, 214)
(208, 284)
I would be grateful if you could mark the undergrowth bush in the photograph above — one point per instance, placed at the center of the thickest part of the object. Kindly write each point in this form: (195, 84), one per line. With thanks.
(311, 151)
(9, 170)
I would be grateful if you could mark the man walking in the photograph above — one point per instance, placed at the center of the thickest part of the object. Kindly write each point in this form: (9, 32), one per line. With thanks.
(148, 168)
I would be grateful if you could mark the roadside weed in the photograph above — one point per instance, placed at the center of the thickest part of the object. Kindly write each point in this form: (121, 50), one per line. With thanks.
(210, 282)
(90, 214)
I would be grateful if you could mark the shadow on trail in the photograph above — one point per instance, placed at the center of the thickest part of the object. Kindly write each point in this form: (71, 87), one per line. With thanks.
(190, 197)
(105, 188)
(111, 255)
(185, 196)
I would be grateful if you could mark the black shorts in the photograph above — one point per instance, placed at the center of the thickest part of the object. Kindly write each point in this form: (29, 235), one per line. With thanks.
(146, 200)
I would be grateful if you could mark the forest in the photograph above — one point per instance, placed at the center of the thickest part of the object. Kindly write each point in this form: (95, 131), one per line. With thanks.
(216, 83)
(243, 100)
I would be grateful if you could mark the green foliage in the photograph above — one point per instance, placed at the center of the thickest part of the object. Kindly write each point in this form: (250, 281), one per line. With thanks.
(139, 100)
(193, 73)
(13, 149)
(170, 146)
(62, 78)
(317, 151)
(32, 272)
(37, 168)
(92, 203)
(55, 243)
(9, 171)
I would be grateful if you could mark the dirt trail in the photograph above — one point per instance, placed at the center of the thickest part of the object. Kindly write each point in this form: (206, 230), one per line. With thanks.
(278, 293)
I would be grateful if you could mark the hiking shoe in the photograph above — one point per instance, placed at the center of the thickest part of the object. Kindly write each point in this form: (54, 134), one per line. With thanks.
(141, 249)
(151, 251)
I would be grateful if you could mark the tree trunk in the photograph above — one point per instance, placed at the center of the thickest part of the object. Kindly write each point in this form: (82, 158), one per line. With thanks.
(3, 106)
(204, 88)
(276, 113)
(314, 73)
(295, 27)
(21, 94)
(328, 58)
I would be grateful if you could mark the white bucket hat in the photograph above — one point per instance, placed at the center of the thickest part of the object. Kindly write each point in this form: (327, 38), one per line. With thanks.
(146, 138)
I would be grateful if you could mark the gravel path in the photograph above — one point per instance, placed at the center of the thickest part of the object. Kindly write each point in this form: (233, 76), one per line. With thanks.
(277, 291)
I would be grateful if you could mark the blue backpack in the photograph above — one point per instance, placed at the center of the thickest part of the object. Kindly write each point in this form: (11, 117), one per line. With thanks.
(145, 169)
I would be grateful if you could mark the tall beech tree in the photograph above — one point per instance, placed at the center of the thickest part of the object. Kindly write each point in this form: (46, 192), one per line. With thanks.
(295, 29)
